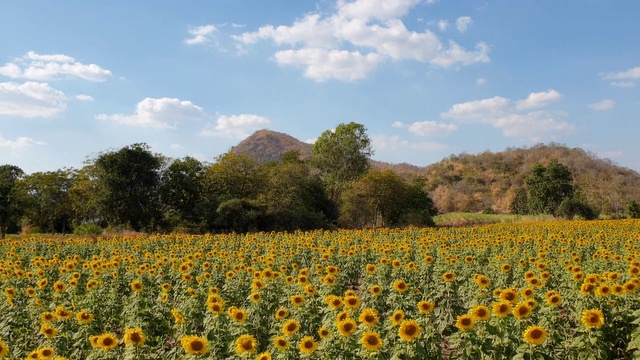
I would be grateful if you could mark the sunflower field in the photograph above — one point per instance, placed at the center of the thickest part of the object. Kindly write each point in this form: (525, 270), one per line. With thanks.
(548, 290)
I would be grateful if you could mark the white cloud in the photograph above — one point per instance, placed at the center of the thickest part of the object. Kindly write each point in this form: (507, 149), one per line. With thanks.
(605, 104)
(484, 110)
(235, 126)
(462, 23)
(31, 100)
(384, 143)
(513, 120)
(443, 25)
(358, 37)
(164, 113)
(481, 81)
(623, 75)
(322, 65)
(539, 100)
(18, 144)
(427, 128)
(623, 84)
(34, 66)
(200, 34)
(84, 97)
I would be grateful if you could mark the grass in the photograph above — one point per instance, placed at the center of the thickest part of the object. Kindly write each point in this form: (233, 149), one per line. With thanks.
(466, 219)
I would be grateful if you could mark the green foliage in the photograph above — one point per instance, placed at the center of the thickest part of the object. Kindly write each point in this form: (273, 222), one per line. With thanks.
(11, 199)
(520, 203)
(385, 199)
(181, 193)
(128, 181)
(87, 229)
(341, 156)
(239, 215)
(548, 187)
(634, 210)
(48, 202)
(571, 207)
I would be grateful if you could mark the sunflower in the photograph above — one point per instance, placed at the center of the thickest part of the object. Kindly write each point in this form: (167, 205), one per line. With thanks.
(535, 335)
(396, 317)
(48, 331)
(281, 343)
(297, 300)
(352, 301)
(510, 295)
(371, 341)
(177, 316)
(409, 330)
(107, 341)
(400, 286)
(4, 349)
(505, 268)
(84, 317)
(522, 311)
(371, 269)
(290, 327)
(480, 313)
(465, 322)
(215, 308)
(47, 317)
(334, 302)
(134, 336)
(281, 313)
(46, 353)
(239, 316)
(136, 285)
(59, 286)
(603, 290)
(375, 290)
(31, 292)
(33, 355)
(448, 276)
(347, 327)
(307, 345)
(324, 332)
(62, 313)
(528, 293)
(369, 317)
(425, 307)
(195, 345)
(264, 356)
(255, 297)
(554, 299)
(343, 315)
(593, 318)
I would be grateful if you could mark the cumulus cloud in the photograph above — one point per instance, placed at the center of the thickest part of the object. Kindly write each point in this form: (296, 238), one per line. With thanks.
(31, 100)
(383, 143)
(427, 128)
(34, 66)
(84, 97)
(538, 100)
(513, 118)
(622, 78)
(18, 144)
(164, 113)
(358, 37)
(200, 34)
(443, 25)
(603, 105)
(462, 23)
(235, 126)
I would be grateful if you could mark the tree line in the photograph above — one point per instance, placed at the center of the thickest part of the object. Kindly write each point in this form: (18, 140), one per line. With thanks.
(134, 188)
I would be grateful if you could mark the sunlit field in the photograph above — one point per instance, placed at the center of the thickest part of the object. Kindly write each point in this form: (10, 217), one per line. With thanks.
(552, 290)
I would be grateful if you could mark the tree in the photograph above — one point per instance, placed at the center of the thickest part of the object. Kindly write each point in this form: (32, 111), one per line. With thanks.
(49, 206)
(181, 187)
(572, 207)
(383, 198)
(634, 210)
(128, 181)
(520, 203)
(548, 187)
(341, 156)
(11, 201)
(85, 195)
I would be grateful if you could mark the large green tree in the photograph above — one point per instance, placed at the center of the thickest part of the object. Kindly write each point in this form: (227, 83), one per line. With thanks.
(181, 192)
(11, 199)
(548, 187)
(341, 156)
(128, 180)
(49, 206)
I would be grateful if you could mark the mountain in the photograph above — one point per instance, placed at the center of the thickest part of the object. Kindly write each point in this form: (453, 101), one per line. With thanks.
(266, 145)
(477, 182)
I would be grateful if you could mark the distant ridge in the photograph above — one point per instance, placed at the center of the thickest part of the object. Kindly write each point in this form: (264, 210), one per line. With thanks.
(267, 145)
(486, 180)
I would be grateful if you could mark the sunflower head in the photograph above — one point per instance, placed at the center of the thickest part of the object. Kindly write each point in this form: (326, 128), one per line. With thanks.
(371, 341)
(522, 311)
(307, 345)
(281, 343)
(194, 344)
(480, 313)
(426, 307)
(535, 335)
(593, 318)
(347, 327)
(397, 316)
(290, 327)
(134, 337)
(465, 322)
(409, 330)
(369, 317)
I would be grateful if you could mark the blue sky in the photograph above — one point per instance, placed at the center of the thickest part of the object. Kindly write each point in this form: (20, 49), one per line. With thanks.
(427, 78)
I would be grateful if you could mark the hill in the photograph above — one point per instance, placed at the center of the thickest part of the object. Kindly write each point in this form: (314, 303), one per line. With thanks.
(473, 183)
